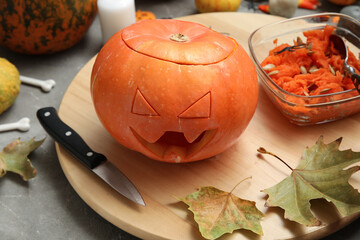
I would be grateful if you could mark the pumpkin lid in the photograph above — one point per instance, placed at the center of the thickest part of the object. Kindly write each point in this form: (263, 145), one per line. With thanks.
(178, 41)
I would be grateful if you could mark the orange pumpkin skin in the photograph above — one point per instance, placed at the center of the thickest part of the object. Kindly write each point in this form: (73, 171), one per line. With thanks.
(143, 15)
(174, 101)
(343, 2)
(44, 26)
(205, 6)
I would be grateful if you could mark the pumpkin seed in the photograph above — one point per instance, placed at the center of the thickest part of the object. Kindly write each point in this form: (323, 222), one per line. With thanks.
(332, 70)
(306, 94)
(309, 53)
(273, 72)
(309, 46)
(325, 90)
(313, 69)
(299, 40)
(268, 67)
(303, 70)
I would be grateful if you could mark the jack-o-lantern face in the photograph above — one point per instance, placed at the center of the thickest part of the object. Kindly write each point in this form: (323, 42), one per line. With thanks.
(175, 98)
(175, 144)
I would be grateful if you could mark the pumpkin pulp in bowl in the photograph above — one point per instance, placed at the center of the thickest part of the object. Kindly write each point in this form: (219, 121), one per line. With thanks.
(173, 90)
(310, 103)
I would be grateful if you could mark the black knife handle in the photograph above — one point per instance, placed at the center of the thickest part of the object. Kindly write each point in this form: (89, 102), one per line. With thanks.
(68, 138)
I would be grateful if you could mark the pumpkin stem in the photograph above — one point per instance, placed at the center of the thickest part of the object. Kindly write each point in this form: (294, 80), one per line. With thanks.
(179, 37)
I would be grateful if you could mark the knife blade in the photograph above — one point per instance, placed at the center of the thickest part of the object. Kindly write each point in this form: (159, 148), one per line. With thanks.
(96, 162)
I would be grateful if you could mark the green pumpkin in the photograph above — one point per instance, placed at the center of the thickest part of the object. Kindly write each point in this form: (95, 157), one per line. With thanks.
(9, 84)
(44, 26)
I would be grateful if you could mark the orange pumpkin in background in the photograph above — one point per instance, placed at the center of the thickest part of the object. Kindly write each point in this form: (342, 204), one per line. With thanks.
(343, 2)
(173, 90)
(205, 6)
(143, 15)
(44, 26)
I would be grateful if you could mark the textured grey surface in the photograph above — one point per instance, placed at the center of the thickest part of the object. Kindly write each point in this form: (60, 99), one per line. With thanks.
(47, 207)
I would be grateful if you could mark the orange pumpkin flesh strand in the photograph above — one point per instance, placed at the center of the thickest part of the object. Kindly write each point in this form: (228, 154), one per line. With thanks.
(170, 100)
(343, 2)
(314, 70)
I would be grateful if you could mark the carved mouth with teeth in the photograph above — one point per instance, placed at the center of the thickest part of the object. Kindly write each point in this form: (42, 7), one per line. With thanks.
(174, 146)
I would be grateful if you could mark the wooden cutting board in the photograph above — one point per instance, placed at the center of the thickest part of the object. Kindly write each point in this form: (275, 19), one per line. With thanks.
(164, 217)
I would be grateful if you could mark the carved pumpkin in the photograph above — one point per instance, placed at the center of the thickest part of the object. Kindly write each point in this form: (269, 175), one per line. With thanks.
(175, 91)
(44, 26)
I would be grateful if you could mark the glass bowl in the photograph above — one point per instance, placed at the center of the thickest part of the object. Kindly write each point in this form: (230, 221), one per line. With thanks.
(306, 110)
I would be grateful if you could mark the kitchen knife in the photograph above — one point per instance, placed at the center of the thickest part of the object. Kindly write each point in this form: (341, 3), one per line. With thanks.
(96, 162)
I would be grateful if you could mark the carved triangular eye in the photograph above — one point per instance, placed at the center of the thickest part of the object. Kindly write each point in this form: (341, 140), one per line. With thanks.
(199, 109)
(141, 106)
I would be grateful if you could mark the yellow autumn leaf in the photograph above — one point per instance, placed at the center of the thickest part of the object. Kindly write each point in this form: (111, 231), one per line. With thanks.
(14, 158)
(218, 212)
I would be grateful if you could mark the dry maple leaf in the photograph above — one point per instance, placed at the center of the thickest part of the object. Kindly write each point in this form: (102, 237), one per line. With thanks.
(321, 173)
(13, 158)
(218, 212)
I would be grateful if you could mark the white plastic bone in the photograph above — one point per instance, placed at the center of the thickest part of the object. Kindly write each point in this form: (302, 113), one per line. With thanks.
(45, 85)
(22, 125)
